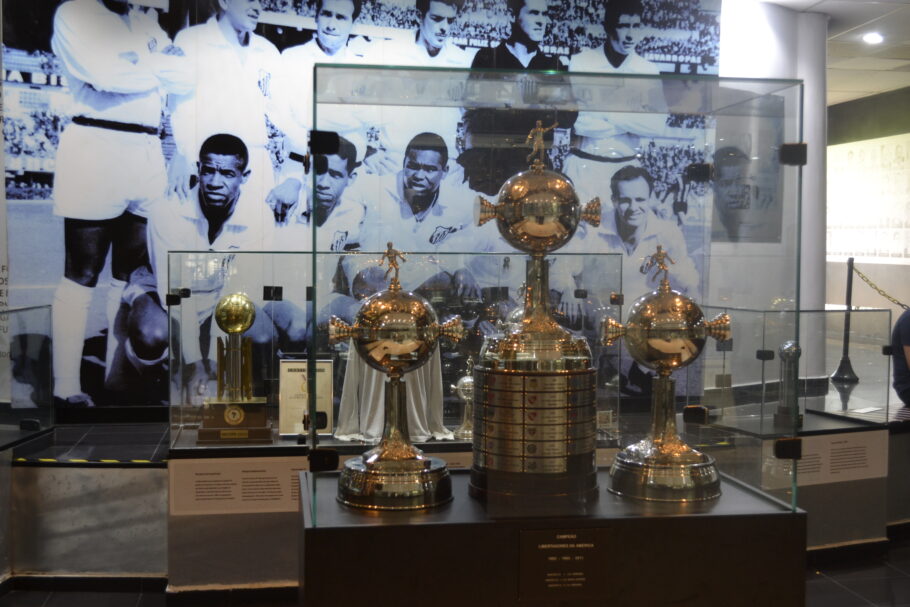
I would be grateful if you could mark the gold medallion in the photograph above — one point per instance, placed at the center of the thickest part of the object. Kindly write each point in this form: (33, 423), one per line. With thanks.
(234, 415)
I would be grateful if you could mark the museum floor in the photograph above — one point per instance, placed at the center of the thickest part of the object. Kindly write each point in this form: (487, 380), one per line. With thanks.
(849, 582)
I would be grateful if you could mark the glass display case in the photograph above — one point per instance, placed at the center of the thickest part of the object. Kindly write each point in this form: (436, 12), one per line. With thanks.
(708, 168)
(26, 399)
(616, 187)
(483, 290)
(743, 382)
(237, 319)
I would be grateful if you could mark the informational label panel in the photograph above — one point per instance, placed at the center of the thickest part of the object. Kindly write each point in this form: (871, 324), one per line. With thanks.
(830, 458)
(869, 200)
(559, 564)
(235, 485)
(293, 394)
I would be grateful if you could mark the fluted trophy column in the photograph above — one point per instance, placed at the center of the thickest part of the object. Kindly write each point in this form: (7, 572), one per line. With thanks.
(534, 383)
(395, 332)
(666, 331)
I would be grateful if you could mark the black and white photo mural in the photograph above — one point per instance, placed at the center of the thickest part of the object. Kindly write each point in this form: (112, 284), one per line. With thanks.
(135, 128)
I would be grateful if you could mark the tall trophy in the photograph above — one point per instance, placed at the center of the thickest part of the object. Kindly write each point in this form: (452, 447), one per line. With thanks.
(395, 332)
(534, 384)
(665, 331)
(464, 388)
(235, 415)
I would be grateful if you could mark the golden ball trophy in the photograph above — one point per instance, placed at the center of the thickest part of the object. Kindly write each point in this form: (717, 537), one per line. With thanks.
(665, 331)
(395, 331)
(534, 383)
(235, 416)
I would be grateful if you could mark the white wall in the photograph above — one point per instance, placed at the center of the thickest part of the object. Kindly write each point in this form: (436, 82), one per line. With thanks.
(760, 40)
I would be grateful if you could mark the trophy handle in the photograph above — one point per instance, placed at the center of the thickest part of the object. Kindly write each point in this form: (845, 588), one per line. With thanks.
(590, 214)
(484, 211)
(340, 330)
(452, 328)
(611, 330)
(719, 328)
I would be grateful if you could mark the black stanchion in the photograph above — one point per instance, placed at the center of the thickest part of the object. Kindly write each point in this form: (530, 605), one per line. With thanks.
(844, 379)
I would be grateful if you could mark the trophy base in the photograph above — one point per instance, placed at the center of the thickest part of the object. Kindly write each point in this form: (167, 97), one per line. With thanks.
(234, 423)
(463, 433)
(530, 494)
(652, 480)
(380, 488)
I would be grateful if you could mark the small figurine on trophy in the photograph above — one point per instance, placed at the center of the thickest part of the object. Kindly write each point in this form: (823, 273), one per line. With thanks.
(665, 331)
(464, 388)
(395, 332)
(535, 139)
(658, 261)
(393, 255)
(235, 415)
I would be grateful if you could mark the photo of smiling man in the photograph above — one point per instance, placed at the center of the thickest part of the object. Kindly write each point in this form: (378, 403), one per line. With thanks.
(631, 229)
(420, 206)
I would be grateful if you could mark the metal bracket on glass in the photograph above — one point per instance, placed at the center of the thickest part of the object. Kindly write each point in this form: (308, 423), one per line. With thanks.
(323, 460)
(887, 350)
(581, 293)
(309, 293)
(699, 172)
(794, 154)
(764, 355)
(270, 293)
(790, 447)
(324, 142)
(173, 298)
(616, 299)
(724, 346)
(698, 414)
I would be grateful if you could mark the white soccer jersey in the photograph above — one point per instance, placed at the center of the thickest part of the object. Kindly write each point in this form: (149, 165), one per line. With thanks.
(116, 73)
(392, 218)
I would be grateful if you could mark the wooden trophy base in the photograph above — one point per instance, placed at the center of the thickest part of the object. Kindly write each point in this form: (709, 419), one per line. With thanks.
(245, 422)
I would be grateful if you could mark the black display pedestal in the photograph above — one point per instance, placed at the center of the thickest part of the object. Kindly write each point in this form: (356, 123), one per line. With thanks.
(742, 549)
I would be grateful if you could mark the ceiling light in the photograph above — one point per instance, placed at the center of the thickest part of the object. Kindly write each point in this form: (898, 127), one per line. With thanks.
(873, 38)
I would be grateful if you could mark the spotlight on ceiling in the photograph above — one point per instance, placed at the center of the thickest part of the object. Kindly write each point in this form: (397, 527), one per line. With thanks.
(873, 38)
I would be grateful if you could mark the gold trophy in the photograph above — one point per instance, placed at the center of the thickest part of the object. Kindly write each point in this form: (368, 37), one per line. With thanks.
(395, 332)
(665, 331)
(534, 385)
(464, 388)
(235, 416)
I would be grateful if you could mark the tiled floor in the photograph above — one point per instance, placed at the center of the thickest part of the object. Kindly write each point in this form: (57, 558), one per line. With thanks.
(866, 581)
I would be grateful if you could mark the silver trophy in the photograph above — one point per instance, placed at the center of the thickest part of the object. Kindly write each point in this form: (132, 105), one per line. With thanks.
(395, 332)
(665, 331)
(464, 388)
(534, 385)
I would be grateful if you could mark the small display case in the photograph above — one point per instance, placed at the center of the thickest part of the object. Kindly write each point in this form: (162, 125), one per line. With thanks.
(26, 378)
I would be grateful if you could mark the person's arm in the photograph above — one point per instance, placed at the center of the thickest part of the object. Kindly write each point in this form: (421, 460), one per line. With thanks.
(907, 355)
(87, 56)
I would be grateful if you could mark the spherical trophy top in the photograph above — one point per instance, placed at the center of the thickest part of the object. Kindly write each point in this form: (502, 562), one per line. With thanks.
(397, 331)
(665, 330)
(538, 210)
(235, 313)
